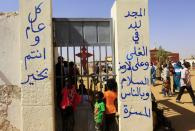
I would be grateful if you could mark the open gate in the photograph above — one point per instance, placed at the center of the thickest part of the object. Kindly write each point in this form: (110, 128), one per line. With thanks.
(88, 45)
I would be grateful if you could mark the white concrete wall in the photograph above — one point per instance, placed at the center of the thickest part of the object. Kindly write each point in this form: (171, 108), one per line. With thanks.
(37, 65)
(9, 49)
(10, 98)
(131, 33)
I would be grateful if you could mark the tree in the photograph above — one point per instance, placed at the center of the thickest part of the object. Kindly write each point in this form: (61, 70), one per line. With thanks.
(162, 56)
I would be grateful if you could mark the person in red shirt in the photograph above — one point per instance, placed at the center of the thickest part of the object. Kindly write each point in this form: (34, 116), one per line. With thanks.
(110, 97)
(69, 102)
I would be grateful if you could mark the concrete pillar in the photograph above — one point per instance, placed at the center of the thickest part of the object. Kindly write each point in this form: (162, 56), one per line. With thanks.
(36, 65)
(130, 20)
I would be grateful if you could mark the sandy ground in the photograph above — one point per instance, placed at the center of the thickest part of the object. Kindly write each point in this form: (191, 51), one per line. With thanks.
(182, 116)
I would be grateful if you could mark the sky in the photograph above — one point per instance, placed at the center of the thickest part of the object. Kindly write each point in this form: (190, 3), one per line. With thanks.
(171, 21)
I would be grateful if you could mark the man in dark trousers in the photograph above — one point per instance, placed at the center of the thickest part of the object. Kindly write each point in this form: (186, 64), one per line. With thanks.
(59, 72)
(59, 77)
(185, 82)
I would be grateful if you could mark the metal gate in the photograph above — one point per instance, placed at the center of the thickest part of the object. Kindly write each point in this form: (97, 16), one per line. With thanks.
(87, 43)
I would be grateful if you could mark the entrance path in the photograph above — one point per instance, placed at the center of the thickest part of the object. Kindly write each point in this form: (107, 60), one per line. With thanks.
(182, 116)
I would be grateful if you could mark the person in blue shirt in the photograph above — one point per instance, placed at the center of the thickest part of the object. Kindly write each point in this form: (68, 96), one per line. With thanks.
(177, 76)
(153, 74)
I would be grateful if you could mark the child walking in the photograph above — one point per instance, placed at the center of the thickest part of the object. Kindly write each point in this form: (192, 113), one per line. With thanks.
(99, 111)
(166, 81)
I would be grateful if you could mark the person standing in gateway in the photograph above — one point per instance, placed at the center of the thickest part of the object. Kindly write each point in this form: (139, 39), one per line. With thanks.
(99, 111)
(110, 97)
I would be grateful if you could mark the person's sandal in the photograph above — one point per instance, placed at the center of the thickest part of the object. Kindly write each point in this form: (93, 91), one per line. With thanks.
(178, 101)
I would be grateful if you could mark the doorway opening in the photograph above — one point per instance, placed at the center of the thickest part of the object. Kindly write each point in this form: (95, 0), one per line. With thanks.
(86, 48)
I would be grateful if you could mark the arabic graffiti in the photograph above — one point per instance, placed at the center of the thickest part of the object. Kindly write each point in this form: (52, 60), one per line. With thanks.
(38, 76)
(34, 55)
(129, 112)
(34, 30)
(135, 26)
(128, 66)
(136, 92)
(133, 84)
(129, 81)
(41, 26)
(136, 14)
(137, 52)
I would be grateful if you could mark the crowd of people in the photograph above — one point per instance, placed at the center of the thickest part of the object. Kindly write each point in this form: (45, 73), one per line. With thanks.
(104, 104)
(181, 79)
(68, 96)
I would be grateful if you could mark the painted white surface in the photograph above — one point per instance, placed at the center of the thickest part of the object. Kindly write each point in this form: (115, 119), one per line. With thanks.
(129, 18)
(9, 49)
(10, 62)
(37, 73)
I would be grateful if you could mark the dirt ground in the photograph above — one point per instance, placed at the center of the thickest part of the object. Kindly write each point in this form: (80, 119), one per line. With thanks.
(182, 116)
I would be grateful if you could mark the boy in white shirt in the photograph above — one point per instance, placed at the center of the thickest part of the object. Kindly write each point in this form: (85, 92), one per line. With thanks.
(186, 83)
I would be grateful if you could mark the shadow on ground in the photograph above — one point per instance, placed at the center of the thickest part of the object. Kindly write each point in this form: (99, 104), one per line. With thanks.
(183, 120)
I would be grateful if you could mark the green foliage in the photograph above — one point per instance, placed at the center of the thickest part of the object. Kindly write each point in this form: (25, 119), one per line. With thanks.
(162, 56)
